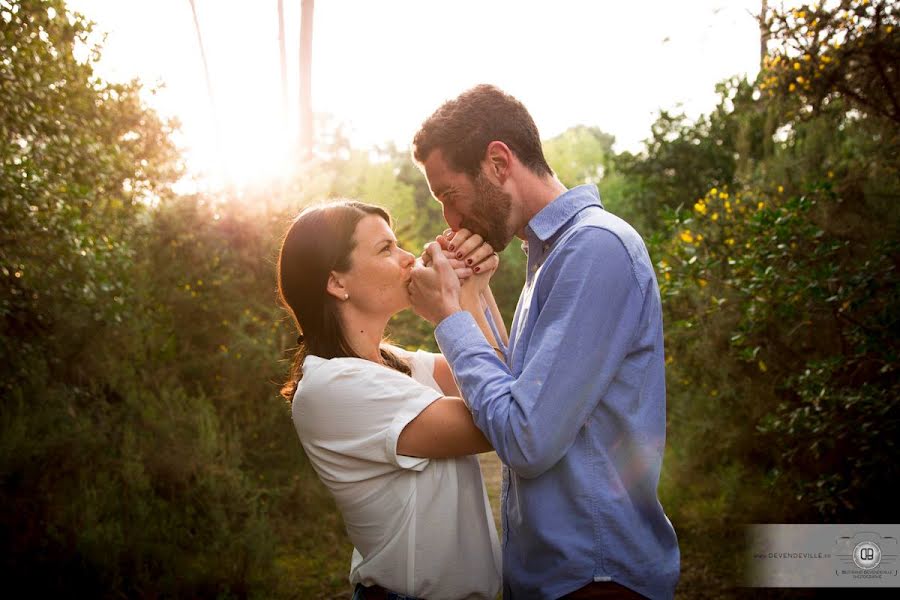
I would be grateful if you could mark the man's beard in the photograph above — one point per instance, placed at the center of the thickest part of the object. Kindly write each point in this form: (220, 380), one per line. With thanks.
(490, 214)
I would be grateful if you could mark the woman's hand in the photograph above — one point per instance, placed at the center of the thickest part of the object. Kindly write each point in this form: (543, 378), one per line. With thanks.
(459, 267)
(473, 252)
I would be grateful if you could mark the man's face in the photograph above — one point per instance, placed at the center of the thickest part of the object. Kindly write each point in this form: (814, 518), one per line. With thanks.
(474, 204)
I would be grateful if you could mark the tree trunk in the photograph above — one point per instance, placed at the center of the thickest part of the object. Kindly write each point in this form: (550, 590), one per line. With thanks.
(763, 33)
(283, 58)
(306, 115)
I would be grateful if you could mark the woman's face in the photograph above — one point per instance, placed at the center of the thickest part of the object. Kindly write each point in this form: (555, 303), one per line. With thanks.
(377, 280)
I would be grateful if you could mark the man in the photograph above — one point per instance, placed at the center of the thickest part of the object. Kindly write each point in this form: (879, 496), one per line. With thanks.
(577, 411)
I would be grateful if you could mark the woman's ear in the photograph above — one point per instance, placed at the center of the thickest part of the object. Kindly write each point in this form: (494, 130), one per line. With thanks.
(336, 287)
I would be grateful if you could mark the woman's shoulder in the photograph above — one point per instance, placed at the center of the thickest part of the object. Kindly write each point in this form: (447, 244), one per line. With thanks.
(325, 373)
(417, 359)
(421, 363)
(355, 378)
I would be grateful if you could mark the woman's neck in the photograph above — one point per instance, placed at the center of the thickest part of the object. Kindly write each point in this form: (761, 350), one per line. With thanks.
(364, 333)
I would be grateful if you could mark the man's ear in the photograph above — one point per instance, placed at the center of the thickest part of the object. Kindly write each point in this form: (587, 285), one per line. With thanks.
(498, 159)
(336, 286)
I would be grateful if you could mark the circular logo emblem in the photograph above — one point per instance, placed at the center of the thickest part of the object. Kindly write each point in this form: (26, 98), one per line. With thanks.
(867, 555)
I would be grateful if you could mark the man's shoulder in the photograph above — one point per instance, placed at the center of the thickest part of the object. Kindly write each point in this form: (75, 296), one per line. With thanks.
(601, 232)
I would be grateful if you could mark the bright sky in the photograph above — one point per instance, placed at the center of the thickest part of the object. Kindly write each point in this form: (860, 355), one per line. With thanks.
(381, 67)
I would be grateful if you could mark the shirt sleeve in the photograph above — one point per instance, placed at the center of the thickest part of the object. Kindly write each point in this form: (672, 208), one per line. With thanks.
(590, 306)
(352, 415)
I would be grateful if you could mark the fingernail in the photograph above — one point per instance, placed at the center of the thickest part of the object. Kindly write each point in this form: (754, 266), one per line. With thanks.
(468, 261)
(459, 255)
(476, 269)
(451, 247)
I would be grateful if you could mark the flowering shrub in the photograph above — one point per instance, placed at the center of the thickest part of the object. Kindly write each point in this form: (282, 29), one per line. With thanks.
(810, 316)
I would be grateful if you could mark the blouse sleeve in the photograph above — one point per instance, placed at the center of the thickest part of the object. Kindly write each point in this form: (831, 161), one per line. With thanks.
(349, 418)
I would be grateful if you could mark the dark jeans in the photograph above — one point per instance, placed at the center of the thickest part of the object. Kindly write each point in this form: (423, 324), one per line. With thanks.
(377, 593)
(605, 590)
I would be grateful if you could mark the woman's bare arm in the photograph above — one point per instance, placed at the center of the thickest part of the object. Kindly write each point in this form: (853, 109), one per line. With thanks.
(445, 429)
(443, 375)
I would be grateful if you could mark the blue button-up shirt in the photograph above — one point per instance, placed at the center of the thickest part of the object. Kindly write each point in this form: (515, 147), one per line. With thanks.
(578, 412)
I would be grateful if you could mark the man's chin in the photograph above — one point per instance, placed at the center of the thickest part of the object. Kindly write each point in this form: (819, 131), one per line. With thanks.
(498, 242)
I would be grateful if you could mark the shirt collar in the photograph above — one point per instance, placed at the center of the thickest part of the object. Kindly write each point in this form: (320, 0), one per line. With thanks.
(552, 217)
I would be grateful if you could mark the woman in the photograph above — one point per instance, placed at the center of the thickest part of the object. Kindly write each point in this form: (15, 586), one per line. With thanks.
(384, 428)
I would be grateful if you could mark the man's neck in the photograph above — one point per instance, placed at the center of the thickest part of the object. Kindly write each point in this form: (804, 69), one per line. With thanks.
(537, 192)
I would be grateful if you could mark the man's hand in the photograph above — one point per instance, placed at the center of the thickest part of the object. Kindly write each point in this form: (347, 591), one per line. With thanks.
(434, 289)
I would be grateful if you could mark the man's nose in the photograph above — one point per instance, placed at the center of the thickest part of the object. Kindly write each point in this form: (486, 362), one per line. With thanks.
(452, 218)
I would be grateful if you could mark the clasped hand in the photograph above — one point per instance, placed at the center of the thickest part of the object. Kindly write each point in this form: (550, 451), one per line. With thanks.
(452, 271)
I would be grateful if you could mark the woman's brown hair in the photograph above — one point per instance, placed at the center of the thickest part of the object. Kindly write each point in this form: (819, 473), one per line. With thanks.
(319, 241)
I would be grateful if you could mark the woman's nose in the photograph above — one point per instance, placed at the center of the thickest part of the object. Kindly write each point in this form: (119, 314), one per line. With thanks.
(408, 258)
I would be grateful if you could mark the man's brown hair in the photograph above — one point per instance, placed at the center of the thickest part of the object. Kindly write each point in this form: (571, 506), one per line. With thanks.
(463, 127)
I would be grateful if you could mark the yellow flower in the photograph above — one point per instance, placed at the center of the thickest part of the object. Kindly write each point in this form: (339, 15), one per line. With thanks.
(800, 79)
(700, 207)
(714, 216)
(702, 282)
(668, 276)
(713, 191)
(830, 174)
(687, 237)
(727, 206)
(699, 237)
(796, 66)
(760, 206)
(762, 366)
(780, 189)
(792, 87)
(826, 59)
(723, 195)
(730, 241)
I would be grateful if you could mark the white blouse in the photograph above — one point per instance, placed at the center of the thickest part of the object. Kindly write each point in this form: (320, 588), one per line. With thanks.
(420, 527)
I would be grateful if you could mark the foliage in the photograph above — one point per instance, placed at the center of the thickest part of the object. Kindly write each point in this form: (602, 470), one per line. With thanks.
(845, 51)
(125, 469)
